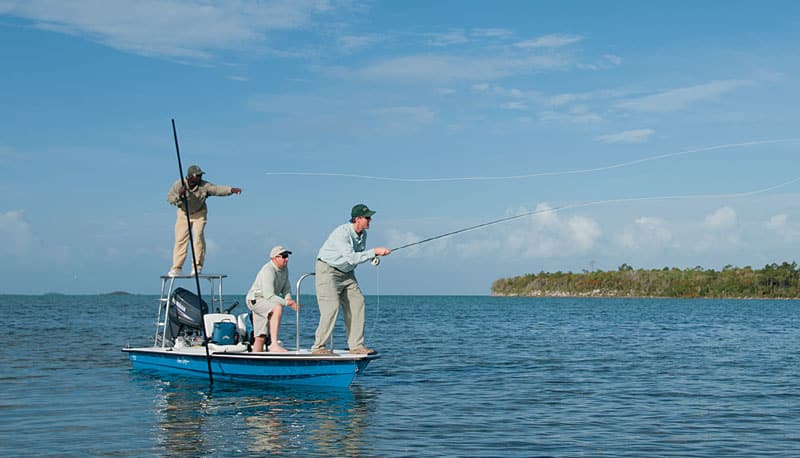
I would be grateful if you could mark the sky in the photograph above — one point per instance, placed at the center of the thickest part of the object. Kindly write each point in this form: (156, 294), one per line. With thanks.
(651, 134)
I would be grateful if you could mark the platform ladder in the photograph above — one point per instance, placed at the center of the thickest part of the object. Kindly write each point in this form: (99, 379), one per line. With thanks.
(168, 285)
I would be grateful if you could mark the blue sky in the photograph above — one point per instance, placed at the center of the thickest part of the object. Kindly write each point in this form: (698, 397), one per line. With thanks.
(654, 123)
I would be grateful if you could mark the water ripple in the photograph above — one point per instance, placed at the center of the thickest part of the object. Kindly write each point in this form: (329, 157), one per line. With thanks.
(459, 376)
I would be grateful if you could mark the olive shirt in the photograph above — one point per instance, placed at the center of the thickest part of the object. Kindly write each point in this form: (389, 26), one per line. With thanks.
(271, 284)
(197, 195)
(344, 249)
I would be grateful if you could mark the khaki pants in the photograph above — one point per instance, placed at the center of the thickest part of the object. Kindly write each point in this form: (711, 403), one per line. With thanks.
(198, 221)
(333, 288)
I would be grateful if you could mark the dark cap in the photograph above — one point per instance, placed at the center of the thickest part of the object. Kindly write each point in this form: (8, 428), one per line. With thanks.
(194, 170)
(361, 210)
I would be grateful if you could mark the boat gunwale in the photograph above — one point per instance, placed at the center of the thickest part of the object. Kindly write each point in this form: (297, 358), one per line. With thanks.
(254, 356)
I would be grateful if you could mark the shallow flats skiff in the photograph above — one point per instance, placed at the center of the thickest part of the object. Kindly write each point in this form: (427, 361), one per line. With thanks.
(180, 347)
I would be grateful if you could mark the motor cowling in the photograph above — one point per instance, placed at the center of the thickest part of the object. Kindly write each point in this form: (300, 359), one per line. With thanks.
(186, 312)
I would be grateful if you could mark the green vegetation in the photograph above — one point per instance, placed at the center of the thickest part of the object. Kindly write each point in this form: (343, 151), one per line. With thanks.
(773, 281)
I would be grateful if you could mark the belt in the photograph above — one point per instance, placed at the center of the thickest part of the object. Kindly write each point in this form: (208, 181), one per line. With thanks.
(334, 268)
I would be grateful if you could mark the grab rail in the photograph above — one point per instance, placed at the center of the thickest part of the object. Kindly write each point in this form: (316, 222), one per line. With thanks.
(297, 312)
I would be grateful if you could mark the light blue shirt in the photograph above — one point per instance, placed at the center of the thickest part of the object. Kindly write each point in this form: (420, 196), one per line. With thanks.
(345, 249)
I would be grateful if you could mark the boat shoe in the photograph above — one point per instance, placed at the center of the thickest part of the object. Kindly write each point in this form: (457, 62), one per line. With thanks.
(321, 351)
(363, 351)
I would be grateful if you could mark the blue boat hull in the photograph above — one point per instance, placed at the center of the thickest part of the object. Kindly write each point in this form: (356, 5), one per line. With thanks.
(258, 368)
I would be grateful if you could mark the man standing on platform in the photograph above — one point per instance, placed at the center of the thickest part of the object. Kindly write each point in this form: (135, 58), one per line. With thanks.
(196, 194)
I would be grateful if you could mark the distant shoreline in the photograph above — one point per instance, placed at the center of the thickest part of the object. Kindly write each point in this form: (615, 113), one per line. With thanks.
(774, 281)
(555, 295)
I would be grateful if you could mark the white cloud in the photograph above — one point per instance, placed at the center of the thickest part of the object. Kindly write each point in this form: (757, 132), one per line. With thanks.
(549, 41)
(628, 136)
(16, 236)
(490, 33)
(533, 96)
(431, 67)
(583, 231)
(722, 234)
(542, 235)
(723, 218)
(538, 236)
(453, 37)
(606, 62)
(779, 224)
(646, 233)
(514, 106)
(613, 59)
(678, 99)
(578, 114)
(191, 29)
(563, 99)
(352, 43)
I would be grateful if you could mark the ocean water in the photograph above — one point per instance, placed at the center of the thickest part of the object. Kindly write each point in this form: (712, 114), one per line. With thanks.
(458, 376)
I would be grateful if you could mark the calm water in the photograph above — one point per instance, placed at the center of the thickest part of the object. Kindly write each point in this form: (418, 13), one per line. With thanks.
(459, 376)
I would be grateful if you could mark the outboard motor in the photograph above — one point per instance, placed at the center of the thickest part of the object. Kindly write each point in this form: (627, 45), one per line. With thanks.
(185, 315)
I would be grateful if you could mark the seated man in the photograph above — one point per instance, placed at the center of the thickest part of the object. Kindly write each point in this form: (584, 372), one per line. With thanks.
(267, 297)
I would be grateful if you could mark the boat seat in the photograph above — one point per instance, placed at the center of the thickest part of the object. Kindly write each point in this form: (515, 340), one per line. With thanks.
(216, 348)
(244, 325)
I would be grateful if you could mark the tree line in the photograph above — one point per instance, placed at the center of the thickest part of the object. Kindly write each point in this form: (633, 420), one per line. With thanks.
(773, 281)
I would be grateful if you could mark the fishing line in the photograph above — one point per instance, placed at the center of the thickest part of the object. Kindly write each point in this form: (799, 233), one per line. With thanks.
(378, 306)
(602, 202)
(541, 174)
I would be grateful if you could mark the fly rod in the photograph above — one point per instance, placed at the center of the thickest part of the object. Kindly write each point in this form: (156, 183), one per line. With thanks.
(477, 226)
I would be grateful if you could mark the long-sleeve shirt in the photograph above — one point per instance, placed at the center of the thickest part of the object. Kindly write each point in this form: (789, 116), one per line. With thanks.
(345, 249)
(197, 195)
(271, 284)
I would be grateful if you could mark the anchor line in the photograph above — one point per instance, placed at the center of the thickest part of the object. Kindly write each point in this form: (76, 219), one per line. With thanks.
(601, 202)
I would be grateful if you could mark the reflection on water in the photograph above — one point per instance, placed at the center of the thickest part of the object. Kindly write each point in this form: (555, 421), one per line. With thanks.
(196, 420)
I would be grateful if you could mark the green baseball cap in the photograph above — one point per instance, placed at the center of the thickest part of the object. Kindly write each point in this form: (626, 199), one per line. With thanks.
(194, 170)
(361, 210)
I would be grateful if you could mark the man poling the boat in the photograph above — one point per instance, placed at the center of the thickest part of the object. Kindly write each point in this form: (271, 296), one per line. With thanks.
(195, 270)
(190, 196)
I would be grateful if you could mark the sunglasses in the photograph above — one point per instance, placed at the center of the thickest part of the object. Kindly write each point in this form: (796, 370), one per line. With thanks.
(284, 255)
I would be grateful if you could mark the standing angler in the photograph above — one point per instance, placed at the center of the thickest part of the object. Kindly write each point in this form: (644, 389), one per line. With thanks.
(336, 281)
(197, 193)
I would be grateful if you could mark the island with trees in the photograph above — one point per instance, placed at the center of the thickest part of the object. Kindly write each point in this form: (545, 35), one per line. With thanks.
(774, 281)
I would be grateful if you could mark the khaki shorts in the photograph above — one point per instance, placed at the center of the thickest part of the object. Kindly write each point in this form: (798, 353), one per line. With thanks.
(262, 309)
